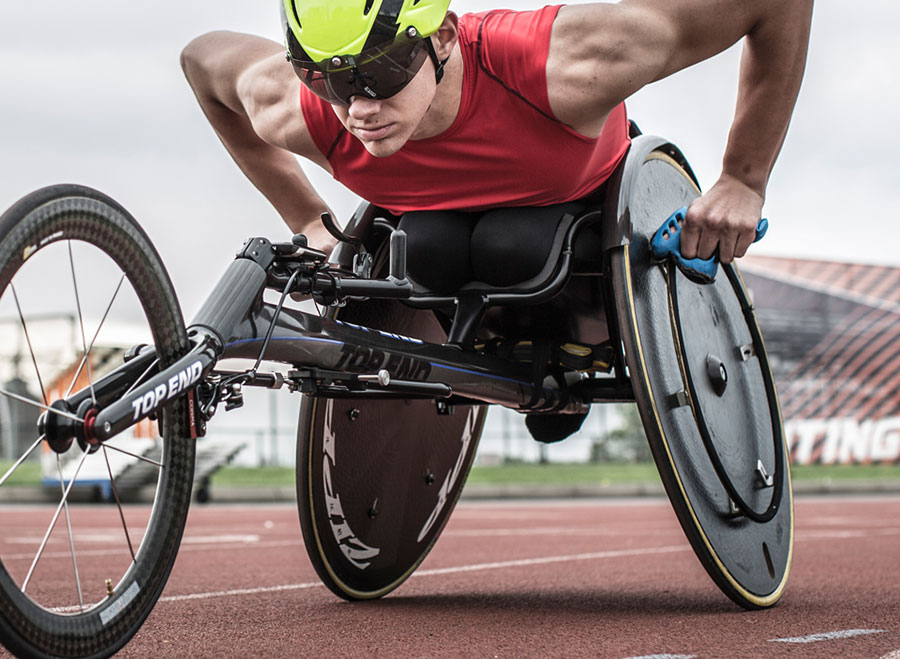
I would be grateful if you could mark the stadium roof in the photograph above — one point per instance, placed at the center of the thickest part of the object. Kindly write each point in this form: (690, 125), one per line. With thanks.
(833, 333)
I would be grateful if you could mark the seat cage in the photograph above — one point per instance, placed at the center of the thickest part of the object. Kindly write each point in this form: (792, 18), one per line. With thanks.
(566, 258)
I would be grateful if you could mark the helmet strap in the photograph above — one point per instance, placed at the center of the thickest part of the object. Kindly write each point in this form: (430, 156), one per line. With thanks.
(438, 64)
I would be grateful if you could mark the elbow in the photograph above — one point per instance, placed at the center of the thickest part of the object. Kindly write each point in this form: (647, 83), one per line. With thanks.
(190, 60)
(192, 56)
(198, 55)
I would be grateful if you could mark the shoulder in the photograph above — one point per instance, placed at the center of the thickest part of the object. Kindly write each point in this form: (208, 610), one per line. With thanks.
(599, 55)
(512, 47)
(505, 34)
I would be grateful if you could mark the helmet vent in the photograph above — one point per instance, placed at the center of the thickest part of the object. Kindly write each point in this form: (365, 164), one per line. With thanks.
(296, 15)
(368, 7)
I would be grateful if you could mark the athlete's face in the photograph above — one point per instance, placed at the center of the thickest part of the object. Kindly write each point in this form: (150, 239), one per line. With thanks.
(384, 126)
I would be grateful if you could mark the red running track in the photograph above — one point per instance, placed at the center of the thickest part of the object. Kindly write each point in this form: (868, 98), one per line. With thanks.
(575, 579)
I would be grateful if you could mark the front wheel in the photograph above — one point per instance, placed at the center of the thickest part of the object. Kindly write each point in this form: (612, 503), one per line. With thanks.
(81, 283)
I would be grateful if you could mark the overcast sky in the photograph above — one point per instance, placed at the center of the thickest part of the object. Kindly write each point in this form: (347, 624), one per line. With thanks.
(92, 93)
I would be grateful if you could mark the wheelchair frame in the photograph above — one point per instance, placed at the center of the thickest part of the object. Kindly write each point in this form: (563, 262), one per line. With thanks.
(329, 358)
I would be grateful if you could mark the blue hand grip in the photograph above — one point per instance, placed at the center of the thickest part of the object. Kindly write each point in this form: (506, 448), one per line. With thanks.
(667, 242)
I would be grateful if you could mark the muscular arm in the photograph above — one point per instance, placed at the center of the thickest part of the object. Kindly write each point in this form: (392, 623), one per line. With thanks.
(600, 54)
(251, 97)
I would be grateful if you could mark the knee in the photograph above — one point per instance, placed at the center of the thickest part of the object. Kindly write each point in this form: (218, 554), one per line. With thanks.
(438, 245)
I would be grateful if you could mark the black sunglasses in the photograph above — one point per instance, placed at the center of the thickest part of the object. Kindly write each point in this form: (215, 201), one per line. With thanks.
(378, 72)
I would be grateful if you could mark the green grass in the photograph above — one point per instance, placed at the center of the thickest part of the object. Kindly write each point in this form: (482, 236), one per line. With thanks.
(253, 476)
(537, 474)
(28, 473)
(845, 472)
(511, 474)
(646, 472)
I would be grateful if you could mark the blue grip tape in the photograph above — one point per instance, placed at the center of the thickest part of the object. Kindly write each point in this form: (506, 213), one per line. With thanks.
(667, 242)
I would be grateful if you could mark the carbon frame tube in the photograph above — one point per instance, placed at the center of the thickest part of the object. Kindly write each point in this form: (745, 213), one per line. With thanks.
(146, 399)
(304, 341)
(237, 291)
(233, 321)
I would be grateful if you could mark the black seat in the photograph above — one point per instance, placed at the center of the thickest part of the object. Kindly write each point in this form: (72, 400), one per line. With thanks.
(515, 256)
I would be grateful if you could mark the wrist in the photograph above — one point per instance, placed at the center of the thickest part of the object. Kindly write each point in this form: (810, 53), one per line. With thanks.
(747, 166)
(755, 184)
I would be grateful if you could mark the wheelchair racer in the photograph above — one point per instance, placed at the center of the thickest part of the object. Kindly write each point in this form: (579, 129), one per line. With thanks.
(415, 108)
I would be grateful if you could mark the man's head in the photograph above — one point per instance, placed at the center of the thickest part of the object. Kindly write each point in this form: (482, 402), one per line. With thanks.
(364, 57)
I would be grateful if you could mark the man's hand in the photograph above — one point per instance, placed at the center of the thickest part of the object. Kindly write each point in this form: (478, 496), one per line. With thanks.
(318, 237)
(725, 218)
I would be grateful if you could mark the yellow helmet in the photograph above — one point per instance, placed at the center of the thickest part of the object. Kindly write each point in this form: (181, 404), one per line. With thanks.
(325, 28)
(373, 48)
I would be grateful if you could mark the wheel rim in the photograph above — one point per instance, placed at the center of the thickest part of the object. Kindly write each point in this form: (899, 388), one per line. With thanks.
(748, 559)
(75, 580)
(63, 342)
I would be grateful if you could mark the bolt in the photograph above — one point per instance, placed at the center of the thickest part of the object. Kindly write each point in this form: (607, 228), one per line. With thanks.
(429, 478)
(107, 427)
(353, 414)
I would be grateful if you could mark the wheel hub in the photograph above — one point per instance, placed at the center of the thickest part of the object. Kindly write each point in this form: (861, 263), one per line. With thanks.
(60, 428)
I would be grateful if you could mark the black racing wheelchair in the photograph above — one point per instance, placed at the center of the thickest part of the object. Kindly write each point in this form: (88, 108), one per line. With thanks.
(396, 379)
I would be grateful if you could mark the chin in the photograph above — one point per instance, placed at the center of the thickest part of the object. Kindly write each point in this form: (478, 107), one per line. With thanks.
(384, 148)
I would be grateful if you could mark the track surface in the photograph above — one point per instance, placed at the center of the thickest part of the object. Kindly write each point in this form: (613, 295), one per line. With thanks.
(593, 578)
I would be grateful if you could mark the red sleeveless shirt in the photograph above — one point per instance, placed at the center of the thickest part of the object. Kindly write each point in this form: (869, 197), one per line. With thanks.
(505, 147)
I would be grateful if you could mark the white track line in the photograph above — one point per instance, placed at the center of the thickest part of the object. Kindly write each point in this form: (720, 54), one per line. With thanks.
(827, 636)
(440, 571)
(525, 562)
(238, 591)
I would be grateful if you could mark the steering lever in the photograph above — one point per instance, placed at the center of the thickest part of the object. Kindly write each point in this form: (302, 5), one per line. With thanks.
(332, 228)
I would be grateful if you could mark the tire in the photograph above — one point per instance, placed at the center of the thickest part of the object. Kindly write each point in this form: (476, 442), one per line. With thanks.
(84, 598)
(377, 480)
(715, 432)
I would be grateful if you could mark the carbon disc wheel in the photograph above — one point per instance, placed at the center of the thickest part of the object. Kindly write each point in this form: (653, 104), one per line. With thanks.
(377, 480)
(707, 399)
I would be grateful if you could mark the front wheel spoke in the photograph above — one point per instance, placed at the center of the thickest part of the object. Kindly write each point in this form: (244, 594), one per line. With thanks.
(71, 537)
(34, 403)
(59, 508)
(81, 324)
(115, 491)
(24, 457)
(96, 334)
(37, 370)
(134, 455)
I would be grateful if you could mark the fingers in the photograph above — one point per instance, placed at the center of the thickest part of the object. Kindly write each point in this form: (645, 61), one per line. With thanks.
(705, 234)
(690, 237)
(727, 252)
